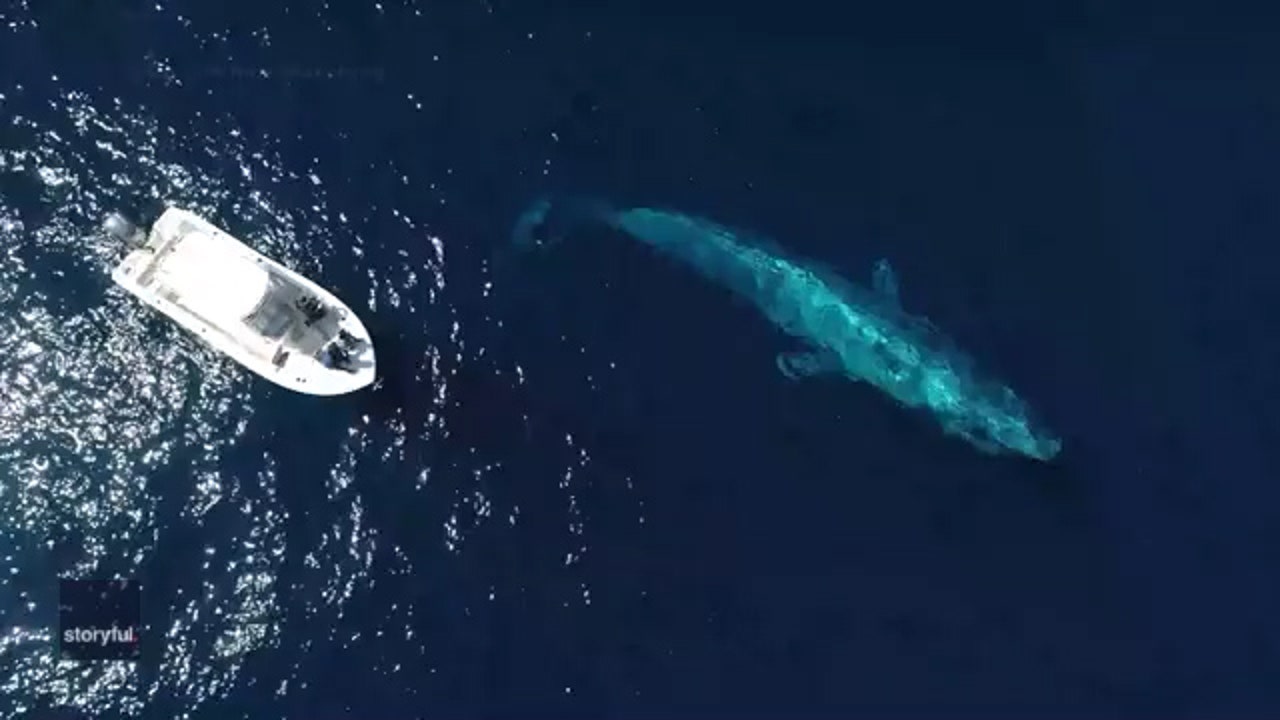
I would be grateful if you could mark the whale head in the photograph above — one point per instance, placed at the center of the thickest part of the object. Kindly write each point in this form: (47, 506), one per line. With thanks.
(996, 421)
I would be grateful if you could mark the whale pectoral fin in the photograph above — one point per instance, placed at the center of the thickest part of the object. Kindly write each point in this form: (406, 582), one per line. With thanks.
(802, 364)
(884, 281)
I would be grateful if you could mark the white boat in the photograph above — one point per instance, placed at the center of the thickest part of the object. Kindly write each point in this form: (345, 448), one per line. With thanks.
(263, 315)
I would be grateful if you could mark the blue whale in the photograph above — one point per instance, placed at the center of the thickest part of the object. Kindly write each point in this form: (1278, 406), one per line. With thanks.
(859, 333)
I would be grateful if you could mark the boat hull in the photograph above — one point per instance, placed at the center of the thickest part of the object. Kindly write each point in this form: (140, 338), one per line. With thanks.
(219, 289)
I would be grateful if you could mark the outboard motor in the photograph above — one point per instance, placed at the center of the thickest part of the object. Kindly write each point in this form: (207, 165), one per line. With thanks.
(118, 227)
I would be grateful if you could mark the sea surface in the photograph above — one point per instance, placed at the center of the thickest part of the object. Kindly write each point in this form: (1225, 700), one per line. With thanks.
(580, 488)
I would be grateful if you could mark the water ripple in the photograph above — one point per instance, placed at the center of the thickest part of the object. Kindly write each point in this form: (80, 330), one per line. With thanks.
(128, 449)
(103, 406)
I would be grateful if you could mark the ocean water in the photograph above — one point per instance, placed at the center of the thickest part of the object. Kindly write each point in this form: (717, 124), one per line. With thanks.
(580, 487)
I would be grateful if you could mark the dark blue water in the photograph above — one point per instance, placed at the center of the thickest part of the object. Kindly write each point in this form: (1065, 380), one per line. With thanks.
(581, 487)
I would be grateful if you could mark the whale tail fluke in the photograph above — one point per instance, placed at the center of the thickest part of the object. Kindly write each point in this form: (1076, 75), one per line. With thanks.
(531, 228)
(544, 223)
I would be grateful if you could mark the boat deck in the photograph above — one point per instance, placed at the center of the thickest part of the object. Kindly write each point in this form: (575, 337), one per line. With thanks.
(162, 277)
(244, 305)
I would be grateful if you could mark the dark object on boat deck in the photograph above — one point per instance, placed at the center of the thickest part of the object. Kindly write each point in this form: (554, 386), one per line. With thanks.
(311, 308)
(348, 341)
(340, 358)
